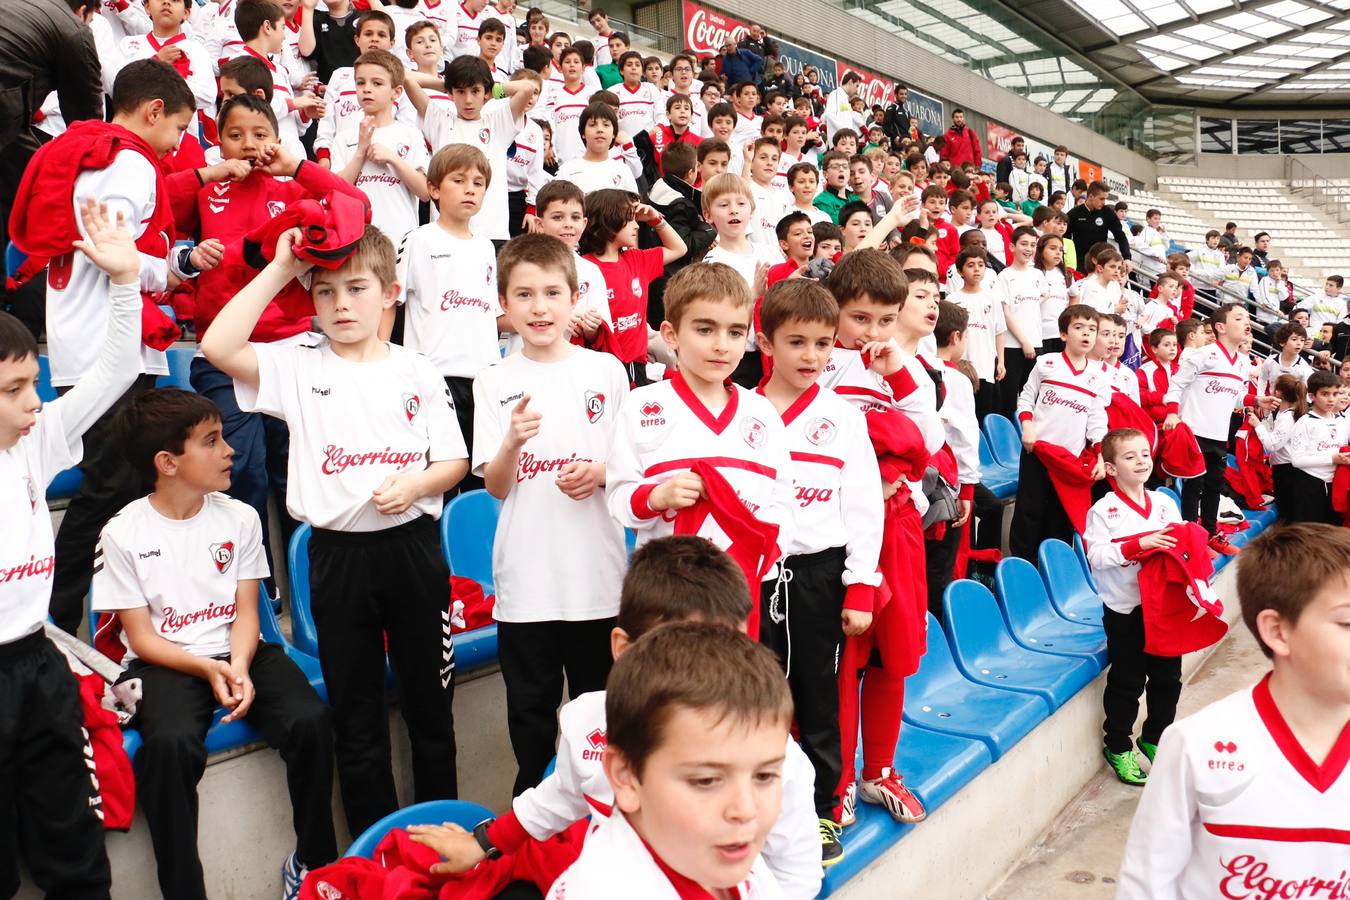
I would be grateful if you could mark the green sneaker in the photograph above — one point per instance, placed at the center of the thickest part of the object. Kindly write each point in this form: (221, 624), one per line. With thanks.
(831, 848)
(1149, 750)
(1126, 766)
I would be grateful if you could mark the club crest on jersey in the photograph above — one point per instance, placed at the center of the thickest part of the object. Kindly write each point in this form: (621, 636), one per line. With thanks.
(820, 431)
(32, 492)
(222, 555)
(275, 208)
(754, 432)
(637, 289)
(412, 405)
(491, 271)
(595, 406)
(484, 135)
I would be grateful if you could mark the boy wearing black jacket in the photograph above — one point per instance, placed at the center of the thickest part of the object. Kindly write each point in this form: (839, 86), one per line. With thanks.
(675, 197)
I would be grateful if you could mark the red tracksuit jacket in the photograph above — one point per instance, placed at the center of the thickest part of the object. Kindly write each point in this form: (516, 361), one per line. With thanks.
(1181, 611)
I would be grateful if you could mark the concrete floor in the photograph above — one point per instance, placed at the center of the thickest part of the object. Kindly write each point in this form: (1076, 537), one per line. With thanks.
(1078, 857)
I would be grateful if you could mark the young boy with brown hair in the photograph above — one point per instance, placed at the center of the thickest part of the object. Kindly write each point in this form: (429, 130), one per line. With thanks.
(374, 447)
(674, 579)
(829, 566)
(1248, 795)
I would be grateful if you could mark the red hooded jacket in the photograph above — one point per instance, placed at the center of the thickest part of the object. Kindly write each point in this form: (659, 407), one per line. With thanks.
(1181, 611)
(1252, 478)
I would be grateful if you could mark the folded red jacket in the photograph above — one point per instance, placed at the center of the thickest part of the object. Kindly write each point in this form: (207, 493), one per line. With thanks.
(1179, 453)
(1072, 477)
(330, 229)
(1181, 611)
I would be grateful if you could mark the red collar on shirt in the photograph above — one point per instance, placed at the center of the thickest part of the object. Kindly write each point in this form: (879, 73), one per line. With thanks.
(685, 888)
(1146, 510)
(717, 423)
(1320, 777)
(624, 85)
(799, 405)
(267, 60)
(1232, 358)
(466, 12)
(1070, 365)
(299, 20)
(581, 87)
(157, 46)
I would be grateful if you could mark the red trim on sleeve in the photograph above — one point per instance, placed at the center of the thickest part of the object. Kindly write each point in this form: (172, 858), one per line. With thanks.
(1131, 549)
(641, 508)
(323, 153)
(1024, 417)
(506, 833)
(1174, 407)
(967, 492)
(861, 597)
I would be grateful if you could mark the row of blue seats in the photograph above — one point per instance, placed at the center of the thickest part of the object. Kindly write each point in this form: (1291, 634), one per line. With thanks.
(1000, 455)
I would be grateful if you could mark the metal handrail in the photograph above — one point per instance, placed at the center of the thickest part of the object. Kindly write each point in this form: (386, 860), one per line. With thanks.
(576, 10)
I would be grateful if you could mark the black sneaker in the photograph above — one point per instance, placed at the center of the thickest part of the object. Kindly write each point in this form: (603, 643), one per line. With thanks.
(831, 849)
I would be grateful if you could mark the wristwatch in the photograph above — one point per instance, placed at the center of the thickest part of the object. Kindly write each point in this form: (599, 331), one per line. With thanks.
(480, 834)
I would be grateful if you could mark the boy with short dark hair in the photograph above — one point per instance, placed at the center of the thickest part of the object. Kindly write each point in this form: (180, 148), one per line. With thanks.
(374, 448)
(835, 193)
(190, 626)
(1315, 451)
(1253, 789)
(1122, 526)
(829, 566)
(262, 28)
(43, 747)
(343, 114)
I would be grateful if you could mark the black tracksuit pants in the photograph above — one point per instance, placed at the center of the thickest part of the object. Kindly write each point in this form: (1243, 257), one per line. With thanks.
(1200, 496)
(1132, 674)
(534, 656)
(800, 621)
(48, 802)
(173, 719)
(366, 588)
(1038, 514)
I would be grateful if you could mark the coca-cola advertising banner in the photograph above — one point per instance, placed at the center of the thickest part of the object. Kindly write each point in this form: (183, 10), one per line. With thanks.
(874, 89)
(706, 30)
(796, 58)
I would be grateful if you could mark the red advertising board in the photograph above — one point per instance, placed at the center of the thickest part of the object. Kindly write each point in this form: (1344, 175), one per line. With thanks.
(706, 30)
(875, 89)
(997, 140)
(1089, 172)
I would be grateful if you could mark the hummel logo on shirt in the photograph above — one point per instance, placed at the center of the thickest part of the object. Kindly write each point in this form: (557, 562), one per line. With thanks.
(148, 553)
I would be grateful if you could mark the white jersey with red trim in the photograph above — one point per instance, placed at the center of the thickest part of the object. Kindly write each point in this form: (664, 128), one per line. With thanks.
(450, 297)
(1021, 292)
(1123, 379)
(771, 204)
(343, 114)
(1273, 367)
(786, 161)
(578, 788)
(463, 40)
(492, 132)
(353, 424)
(959, 423)
(525, 169)
(186, 572)
(638, 106)
(1207, 387)
(562, 107)
(1067, 405)
(1115, 525)
(985, 322)
(835, 482)
(126, 17)
(1235, 808)
(510, 57)
(201, 75)
(574, 567)
(664, 429)
(393, 204)
(1314, 440)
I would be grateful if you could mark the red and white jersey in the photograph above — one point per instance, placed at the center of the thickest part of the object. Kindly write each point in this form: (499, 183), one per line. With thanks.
(578, 788)
(525, 169)
(1236, 808)
(1154, 314)
(594, 296)
(985, 323)
(492, 132)
(403, 20)
(771, 204)
(960, 424)
(77, 290)
(615, 863)
(590, 176)
(747, 130)
(343, 114)
(450, 297)
(1207, 387)
(1314, 440)
(786, 161)
(463, 41)
(637, 106)
(1115, 525)
(512, 51)
(186, 572)
(835, 482)
(393, 204)
(1021, 292)
(220, 36)
(745, 263)
(563, 106)
(127, 17)
(1067, 405)
(1123, 379)
(698, 124)
(664, 429)
(574, 568)
(353, 424)
(441, 14)
(1274, 433)
(201, 76)
(1056, 301)
(1104, 298)
(1274, 367)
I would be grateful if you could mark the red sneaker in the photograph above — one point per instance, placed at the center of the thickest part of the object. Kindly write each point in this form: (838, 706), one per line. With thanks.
(890, 791)
(1219, 544)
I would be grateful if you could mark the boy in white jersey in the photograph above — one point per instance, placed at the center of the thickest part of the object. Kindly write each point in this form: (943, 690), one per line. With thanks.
(461, 30)
(986, 329)
(596, 169)
(1064, 404)
(639, 101)
(1208, 386)
(1290, 339)
(695, 417)
(449, 279)
(343, 113)
(674, 579)
(1110, 344)
(770, 202)
(801, 180)
(180, 570)
(1247, 797)
(1326, 307)
(261, 25)
(1020, 288)
(64, 849)
(477, 120)
(687, 698)
(373, 448)
(562, 214)
(544, 422)
(1208, 261)
(167, 41)
(563, 102)
(961, 428)
(1123, 525)
(386, 159)
(828, 576)
(1163, 311)
(1315, 451)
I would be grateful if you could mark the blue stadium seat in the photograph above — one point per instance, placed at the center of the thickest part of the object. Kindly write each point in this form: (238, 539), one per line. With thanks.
(302, 617)
(1001, 480)
(1081, 552)
(65, 483)
(985, 652)
(1070, 593)
(468, 528)
(433, 812)
(180, 366)
(1032, 618)
(14, 257)
(940, 698)
(270, 627)
(1004, 440)
(935, 766)
(1176, 498)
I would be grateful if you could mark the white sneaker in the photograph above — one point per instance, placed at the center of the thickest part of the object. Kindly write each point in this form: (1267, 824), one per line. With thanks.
(292, 876)
(889, 791)
(848, 808)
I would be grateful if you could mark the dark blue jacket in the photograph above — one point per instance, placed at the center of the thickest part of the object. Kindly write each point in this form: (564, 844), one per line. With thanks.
(741, 65)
